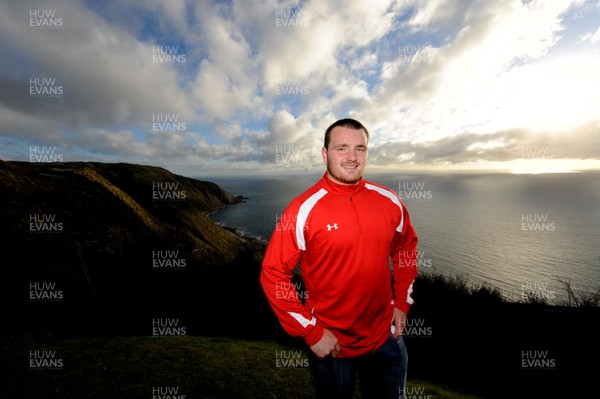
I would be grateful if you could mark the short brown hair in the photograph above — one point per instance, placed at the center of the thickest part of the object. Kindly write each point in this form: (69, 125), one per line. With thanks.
(347, 123)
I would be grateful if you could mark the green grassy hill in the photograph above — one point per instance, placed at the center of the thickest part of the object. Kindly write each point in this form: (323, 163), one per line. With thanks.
(176, 367)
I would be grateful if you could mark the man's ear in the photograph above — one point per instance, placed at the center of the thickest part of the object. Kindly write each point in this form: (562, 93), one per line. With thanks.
(324, 154)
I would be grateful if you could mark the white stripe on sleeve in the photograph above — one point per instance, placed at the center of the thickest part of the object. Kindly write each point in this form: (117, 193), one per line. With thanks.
(303, 213)
(393, 198)
(303, 320)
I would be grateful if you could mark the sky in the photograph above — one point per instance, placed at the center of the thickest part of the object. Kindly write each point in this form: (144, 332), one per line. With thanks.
(237, 88)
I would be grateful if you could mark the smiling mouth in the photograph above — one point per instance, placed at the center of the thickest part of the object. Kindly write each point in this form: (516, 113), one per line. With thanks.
(350, 167)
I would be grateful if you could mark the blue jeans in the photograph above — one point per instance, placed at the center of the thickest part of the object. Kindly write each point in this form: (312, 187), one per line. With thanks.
(382, 374)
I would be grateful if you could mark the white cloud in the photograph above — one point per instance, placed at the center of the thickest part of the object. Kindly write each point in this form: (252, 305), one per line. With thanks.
(592, 37)
(107, 75)
(487, 77)
(419, 74)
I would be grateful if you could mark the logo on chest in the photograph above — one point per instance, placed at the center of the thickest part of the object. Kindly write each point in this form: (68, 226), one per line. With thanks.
(332, 227)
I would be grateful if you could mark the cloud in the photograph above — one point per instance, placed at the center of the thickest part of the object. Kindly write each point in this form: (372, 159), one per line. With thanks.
(462, 82)
(107, 76)
(225, 82)
(435, 81)
(592, 37)
(502, 146)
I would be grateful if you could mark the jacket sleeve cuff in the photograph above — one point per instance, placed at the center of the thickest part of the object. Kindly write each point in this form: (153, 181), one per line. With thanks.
(314, 335)
(405, 307)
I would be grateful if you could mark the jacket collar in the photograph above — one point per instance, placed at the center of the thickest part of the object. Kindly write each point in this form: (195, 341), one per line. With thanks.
(342, 189)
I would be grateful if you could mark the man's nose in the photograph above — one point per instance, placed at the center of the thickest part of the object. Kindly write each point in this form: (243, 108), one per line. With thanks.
(351, 155)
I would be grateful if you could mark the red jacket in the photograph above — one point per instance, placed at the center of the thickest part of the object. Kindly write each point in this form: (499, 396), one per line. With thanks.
(342, 237)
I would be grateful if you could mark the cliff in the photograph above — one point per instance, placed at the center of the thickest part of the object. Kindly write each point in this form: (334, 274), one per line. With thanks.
(127, 241)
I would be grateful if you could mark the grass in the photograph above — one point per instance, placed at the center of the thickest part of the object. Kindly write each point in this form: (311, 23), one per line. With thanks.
(131, 367)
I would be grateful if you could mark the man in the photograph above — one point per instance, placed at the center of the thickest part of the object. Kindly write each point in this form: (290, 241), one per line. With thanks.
(344, 230)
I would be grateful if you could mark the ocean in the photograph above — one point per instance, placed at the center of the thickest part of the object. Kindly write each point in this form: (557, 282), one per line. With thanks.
(526, 235)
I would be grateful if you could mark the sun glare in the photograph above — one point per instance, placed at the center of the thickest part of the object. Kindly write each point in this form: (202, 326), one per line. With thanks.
(540, 166)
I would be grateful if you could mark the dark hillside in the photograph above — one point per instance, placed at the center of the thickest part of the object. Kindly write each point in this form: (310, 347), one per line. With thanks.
(120, 244)
(473, 340)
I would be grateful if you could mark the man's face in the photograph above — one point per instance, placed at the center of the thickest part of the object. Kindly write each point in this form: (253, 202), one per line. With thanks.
(346, 156)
